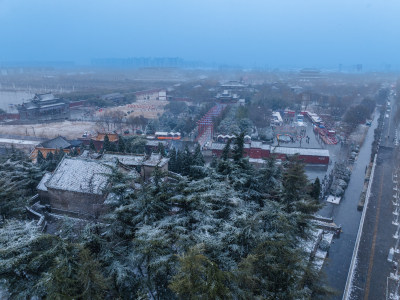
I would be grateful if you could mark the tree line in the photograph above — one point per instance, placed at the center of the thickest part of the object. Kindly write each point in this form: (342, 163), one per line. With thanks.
(224, 231)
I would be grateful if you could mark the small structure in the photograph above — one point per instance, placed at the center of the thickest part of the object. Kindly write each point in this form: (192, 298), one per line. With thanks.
(227, 96)
(98, 140)
(333, 199)
(277, 118)
(151, 95)
(77, 186)
(44, 107)
(52, 146)
(114, 97)
(155, 160)
(130, 161)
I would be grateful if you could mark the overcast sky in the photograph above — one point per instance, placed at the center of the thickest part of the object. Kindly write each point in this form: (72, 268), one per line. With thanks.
(246, 32)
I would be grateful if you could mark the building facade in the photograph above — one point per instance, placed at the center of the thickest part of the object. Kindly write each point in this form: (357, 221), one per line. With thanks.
(44, 107)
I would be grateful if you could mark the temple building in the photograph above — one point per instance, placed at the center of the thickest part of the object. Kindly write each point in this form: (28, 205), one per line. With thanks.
(44, 107)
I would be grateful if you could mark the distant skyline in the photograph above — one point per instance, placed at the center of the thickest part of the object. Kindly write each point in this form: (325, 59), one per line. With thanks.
(258, 33)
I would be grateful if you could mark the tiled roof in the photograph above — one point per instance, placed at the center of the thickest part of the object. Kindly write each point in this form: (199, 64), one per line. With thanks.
(81, 175)
(56, 143)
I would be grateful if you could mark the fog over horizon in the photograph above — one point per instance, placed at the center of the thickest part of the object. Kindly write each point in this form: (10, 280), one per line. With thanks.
(268, 34)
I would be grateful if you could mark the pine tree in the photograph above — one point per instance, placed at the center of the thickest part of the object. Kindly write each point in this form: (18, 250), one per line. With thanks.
(92, 147)
(121, 145)
(187, 161)
(315, 189)
(172, 160)
(199, 278)
(161, 149)
(198, 158)
(40, 158)
(106, 144)
(226, 151)
(238, 148)
(179, 161)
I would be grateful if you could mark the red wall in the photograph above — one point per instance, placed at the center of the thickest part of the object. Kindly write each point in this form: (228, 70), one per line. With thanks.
(263, 153)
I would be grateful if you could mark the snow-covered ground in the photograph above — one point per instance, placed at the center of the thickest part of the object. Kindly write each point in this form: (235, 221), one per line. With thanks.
(68, 129)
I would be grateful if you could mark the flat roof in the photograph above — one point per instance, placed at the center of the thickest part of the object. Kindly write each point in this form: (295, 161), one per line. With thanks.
(300, 151)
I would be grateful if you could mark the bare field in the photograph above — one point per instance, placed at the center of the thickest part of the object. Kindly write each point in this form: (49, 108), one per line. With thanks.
(68, 129)
(147, 109)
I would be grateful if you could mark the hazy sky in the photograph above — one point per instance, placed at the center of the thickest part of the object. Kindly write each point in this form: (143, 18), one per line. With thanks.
(246, 32)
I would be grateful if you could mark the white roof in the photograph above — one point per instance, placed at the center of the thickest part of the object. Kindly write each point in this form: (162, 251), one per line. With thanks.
(80, 175)
(156, 160)
(41, 186)
(128, 160)
(278, 150)
(277, 115)
(300, 151)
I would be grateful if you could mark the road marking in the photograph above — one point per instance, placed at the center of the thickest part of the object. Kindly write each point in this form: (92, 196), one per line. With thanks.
(371, 257)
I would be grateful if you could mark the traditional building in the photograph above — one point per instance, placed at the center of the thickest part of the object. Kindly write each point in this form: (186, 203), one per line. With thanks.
(52, 146)
(44, 107)
(258, 150)
(77, 187)
(155, 160)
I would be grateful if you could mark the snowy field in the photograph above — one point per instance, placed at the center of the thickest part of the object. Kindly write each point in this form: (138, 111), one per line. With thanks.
(68, 129)
(147, 109)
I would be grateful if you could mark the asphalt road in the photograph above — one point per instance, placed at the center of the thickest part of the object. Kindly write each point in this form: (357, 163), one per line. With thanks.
(346, 215)
(373, 268)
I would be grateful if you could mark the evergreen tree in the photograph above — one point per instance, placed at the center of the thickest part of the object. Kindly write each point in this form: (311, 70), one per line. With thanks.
(161, 149)
(92, 147)
(226, 151)
(106, 144)
(199, 278)
(172, 164)
(315, 189)
(187, 161)
(50, 156)
(238, 148)
(40, 158)
(295, 197)
(75, 275)
(121, 145)
(198, 158)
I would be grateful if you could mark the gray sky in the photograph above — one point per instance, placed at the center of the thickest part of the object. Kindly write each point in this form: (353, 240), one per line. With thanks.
(292, 33)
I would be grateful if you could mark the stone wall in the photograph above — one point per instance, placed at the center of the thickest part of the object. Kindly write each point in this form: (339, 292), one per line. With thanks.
(82, 203)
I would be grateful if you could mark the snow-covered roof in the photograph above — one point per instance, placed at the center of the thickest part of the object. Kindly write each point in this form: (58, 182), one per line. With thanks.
(300, 151)
(81, 175)
(156, 160)
(154, 143)
(41, 186)
(278, 150)
(125, 159)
